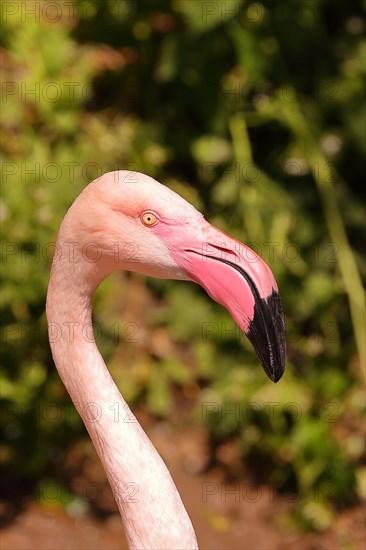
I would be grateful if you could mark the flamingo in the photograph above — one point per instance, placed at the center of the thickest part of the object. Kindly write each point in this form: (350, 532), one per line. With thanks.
(127, 220)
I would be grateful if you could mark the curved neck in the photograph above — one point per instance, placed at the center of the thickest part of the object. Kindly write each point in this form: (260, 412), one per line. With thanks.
(151, 508)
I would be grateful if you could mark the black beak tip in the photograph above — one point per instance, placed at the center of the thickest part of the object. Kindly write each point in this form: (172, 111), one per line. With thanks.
(273, 368)
(267, 335)
(276, 374)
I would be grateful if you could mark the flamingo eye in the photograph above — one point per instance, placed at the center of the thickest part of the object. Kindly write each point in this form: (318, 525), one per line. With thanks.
(149, 218)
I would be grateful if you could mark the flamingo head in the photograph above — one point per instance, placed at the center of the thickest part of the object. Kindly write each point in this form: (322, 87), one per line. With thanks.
(128, 220)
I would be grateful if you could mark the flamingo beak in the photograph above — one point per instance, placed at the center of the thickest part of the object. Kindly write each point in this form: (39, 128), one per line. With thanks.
(236, 277)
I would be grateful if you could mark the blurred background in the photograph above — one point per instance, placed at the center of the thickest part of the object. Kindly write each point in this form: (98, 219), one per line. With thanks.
(254, 112)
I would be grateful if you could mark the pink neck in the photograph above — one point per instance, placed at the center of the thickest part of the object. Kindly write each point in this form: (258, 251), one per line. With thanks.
(150, 506)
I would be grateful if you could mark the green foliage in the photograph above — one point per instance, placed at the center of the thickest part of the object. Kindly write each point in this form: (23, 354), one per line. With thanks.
(253, 112)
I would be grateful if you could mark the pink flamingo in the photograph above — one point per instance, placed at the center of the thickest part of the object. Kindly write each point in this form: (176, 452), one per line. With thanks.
(164, 236)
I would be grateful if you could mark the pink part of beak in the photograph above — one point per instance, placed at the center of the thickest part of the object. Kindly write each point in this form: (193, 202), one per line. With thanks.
(236, 277)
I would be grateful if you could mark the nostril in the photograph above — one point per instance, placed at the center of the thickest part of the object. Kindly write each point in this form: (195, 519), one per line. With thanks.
(222, 249)
(215, 251)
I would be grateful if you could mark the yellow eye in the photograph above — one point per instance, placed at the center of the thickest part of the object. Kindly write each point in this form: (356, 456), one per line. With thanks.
(149, 218)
